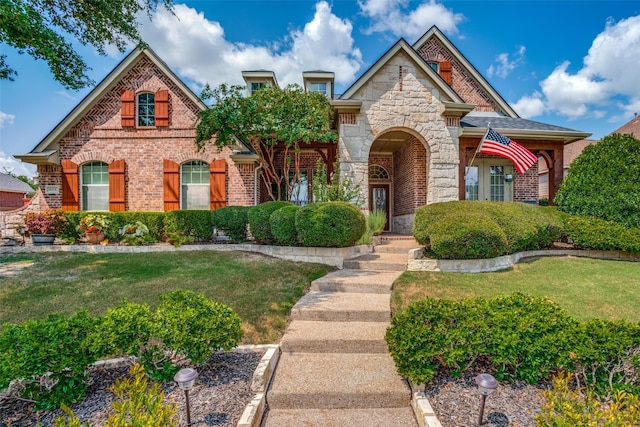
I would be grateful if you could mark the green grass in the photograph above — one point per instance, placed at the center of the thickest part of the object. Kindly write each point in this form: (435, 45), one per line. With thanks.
(586, 288)
(260, 289)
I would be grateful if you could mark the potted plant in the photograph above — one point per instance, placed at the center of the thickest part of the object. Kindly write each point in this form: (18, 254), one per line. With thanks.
(93, 227)
(43, 226)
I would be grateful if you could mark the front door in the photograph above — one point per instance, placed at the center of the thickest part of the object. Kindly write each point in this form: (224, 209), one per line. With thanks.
(379, 200)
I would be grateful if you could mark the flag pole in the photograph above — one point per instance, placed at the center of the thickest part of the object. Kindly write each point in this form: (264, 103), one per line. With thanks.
(476, 152)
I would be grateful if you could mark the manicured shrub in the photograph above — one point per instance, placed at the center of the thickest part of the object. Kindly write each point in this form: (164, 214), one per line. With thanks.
(594, 233)
(124, 329)
(472, 229)
(51, 356)
(283, 225)
(233, 221)
(259, 223)
(195, 223)
(330, 224)
(604, 181)
(521, 337)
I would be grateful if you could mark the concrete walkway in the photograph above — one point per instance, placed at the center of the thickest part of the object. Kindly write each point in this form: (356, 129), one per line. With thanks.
(335, 369)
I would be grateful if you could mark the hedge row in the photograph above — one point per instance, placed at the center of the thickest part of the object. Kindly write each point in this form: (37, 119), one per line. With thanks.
(472, 229)
(519, 336)
(594, 233)
(51, 356)
(329, 224)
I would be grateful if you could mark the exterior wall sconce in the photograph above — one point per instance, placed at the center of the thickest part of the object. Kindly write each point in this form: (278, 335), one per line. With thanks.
(186, 378)
(486, 384)
(23, 231)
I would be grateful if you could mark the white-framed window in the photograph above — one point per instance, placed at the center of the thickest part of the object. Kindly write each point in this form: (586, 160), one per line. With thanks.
(146, 109)
(95, 186)
(299, 188)
(256, 86)
(489, 179)
(194, 178)
(320, 87)
(378, 172)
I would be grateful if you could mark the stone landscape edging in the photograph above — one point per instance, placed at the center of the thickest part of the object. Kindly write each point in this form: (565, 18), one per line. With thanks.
(417, 262)
(330, 256)
(254, 410)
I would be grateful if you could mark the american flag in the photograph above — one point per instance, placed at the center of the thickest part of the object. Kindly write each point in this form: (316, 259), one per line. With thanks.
(498, 144)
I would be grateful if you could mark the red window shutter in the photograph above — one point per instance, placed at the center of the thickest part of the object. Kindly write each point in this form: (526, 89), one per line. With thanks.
(116, 186)
(171, 179)
(445, 71)
(218, 184)
(161, 100)
(70, 200)
(128, 108)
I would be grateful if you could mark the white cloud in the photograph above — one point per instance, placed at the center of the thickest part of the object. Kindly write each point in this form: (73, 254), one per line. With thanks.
(608, 76)
(6, 118)
(197, 48)
(391, 16)
(529, 106)
(15, 166)
(505, 64)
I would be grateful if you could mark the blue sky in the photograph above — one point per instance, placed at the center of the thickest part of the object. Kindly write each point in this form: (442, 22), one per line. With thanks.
(568, 63)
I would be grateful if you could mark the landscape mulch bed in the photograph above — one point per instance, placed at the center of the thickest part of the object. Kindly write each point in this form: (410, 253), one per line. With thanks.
(222, 390)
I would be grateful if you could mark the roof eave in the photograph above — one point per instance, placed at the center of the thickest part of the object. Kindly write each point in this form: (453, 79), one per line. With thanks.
(49, 157)
(551, 135)
(459, 109)
(346, 105)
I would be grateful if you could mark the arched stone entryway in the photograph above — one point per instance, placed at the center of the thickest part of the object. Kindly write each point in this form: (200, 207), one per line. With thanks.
(398, 177)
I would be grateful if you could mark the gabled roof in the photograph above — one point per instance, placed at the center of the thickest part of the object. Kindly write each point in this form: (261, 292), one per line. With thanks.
(435, 32)
(516, 127)
(13, 185)
(50, 141)
(631, 128)
(402, 45)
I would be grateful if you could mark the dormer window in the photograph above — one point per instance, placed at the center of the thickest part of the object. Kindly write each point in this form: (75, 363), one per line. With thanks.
(256, 86)
(320, 87)
(146, 109)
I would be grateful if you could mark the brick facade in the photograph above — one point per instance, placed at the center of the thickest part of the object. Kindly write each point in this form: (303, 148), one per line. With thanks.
(10, 200)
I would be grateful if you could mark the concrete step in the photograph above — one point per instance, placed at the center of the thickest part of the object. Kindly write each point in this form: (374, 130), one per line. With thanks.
(378, 262)
(356, 281)
(402, 247)
(341, 381)
(335, 337)
(342, 307)
(379, 417)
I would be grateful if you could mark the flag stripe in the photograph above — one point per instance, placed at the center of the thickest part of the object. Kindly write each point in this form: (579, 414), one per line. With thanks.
(500, 145)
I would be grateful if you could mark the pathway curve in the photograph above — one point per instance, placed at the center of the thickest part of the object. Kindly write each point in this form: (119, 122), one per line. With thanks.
(335, 369)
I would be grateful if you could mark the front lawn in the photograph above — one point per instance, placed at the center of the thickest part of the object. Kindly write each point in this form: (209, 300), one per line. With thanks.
(586, 288)
(260, 289)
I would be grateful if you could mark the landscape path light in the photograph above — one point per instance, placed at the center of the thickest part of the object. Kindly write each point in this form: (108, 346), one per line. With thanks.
(486, 384)
(186, 378)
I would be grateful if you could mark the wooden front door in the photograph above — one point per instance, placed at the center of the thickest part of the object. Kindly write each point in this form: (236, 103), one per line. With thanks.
(379, 200)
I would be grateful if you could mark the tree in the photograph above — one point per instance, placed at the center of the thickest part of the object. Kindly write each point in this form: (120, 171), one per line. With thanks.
(39, 28)
(272, 121)
(29, 181)
(604, 181)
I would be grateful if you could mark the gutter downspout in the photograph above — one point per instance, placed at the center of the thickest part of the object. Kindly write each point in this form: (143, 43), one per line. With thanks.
(255, 184)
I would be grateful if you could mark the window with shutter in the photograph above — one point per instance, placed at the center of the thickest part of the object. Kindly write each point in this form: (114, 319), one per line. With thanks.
(195, 185)
(95, 186)
(146, 109)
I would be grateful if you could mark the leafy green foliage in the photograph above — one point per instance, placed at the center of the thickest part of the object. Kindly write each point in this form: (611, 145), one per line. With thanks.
(330, 224)
(522, 337)
(154, 221)
(471, 229)
(70, 421)
(178, 239)
(40, 29)
(49, 221)
(51, 357)
(233, 221)
(283, 225)
(519, 337)
(195, 223)
(337, 189)
(595, 233)
(137, 234)
(259, 223)
(140, 404)
(604, 181)
(124, 329)
(376, 221)
(274, 121)
(566, 407)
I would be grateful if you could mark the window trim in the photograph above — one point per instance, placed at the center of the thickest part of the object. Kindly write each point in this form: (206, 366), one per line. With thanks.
(152, 104)
(207, 173)
(82, 199)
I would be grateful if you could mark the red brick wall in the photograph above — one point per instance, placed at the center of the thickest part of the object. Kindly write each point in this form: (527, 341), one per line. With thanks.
(384, 160)
(100, 136)
(10, 200)
(409, 179)
(525, 187)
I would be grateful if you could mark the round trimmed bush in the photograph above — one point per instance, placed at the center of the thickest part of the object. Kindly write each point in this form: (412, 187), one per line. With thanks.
(604, 181)
(232, 220)
(330, 224)
(259, 224)
(283, 225)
